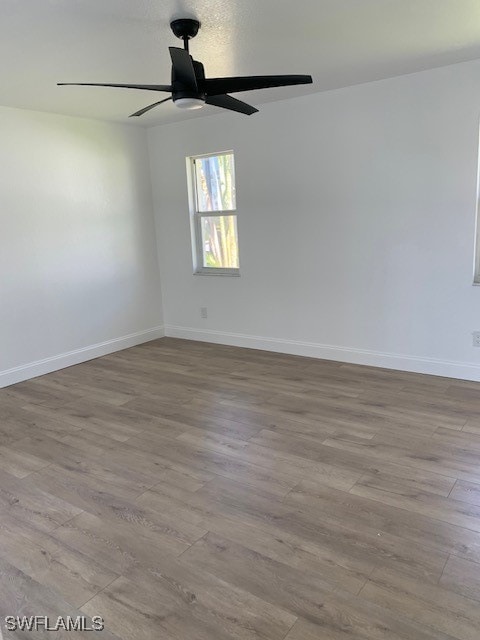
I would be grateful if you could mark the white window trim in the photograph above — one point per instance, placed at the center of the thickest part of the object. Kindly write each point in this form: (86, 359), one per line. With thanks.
(476, 264)
(196, 220)
(476, 261)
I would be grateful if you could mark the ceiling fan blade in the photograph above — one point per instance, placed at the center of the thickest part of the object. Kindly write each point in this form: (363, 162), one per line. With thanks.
(145, 109)
(218, 86)
(227, 102)
(184, 71)
(146, 87)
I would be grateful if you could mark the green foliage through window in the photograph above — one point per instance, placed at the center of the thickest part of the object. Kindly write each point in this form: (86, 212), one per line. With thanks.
(215, 193)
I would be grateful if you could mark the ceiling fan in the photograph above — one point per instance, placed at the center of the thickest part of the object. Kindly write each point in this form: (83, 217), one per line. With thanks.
(190, 88)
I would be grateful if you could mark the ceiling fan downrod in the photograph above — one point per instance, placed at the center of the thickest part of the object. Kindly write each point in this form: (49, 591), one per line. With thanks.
(185, 29)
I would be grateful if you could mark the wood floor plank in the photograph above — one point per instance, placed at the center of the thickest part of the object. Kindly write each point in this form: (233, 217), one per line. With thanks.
(433, 606)
(439, 508)
(472, 426)
(462, 576)
(43, 558)
(360, 621)
(300, 592)
(19, 463)
(305, 595)
(416, 452)
(113, 508)
(164, 611)
(32, 392)
(118, 546)
(21, 595)
(191, 490)
(277, 482)
(31, 504)
(276, 543)
(385, 476)
(293, 465)
(115, 422)
(466, 492)
(359, 522)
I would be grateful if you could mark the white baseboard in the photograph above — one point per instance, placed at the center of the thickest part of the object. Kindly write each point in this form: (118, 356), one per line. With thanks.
(430, 366)
(62, 360)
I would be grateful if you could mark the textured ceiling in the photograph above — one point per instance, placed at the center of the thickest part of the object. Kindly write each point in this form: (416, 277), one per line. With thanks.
(339, 42)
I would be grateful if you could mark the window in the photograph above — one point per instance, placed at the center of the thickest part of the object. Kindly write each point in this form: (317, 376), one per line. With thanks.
(214, 216)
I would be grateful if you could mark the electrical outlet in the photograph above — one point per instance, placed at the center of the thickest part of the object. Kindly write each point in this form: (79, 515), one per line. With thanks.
(204, 315)
(476, 338)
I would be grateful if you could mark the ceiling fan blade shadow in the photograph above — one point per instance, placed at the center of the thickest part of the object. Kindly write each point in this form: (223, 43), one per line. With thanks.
(143, 87)
(227, 102)
(145, 109)
(218, 86)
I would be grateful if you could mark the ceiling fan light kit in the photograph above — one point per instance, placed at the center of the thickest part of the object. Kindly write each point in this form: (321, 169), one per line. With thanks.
(189, 103)
(189, 87)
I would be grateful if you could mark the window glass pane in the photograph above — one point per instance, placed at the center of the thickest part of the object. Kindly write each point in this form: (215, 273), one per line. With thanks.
(219, 242)
(215, 183)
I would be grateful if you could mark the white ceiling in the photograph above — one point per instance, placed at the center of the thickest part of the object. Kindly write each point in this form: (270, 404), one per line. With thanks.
(338, 42)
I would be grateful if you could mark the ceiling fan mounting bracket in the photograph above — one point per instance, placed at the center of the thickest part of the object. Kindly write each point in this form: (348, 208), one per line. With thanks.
(185, 28)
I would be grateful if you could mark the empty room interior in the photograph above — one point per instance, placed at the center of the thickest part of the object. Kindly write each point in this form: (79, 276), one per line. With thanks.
(239, 320)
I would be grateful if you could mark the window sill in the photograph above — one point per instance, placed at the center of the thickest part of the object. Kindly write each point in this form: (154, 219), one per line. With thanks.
(235, 273)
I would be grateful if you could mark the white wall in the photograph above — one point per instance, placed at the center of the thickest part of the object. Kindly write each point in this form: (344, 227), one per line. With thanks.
(78, 261)
(356, 219)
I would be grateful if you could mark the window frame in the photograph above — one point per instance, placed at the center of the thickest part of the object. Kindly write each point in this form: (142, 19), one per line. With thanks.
(196, 220)
(476, 247)
(476, 261)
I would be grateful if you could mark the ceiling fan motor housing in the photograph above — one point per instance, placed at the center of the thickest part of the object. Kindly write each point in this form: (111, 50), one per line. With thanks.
(179, 90)
(185, 28)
